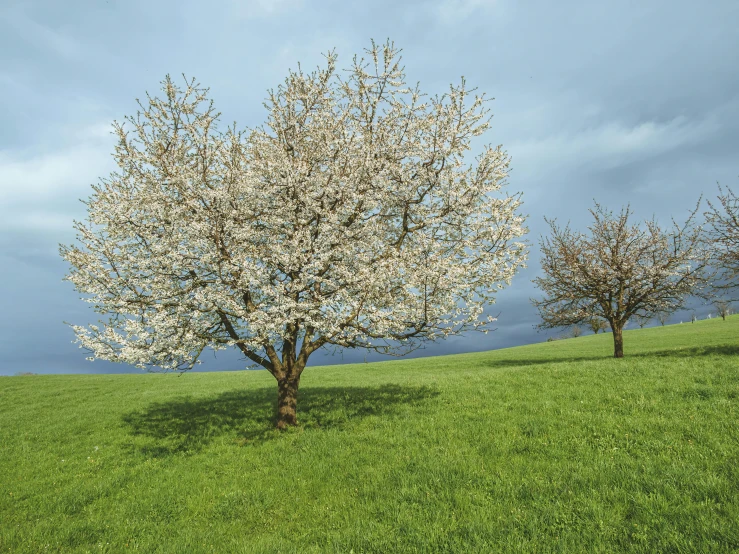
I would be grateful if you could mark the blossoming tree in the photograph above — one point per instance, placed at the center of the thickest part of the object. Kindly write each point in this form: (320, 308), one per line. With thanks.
(349, 219)
(723, 238)
(618, 271)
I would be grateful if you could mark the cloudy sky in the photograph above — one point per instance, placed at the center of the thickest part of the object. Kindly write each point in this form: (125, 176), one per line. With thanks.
(622, 102)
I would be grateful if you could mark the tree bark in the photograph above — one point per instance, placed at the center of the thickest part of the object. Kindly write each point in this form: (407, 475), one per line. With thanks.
(287, 401)
(618, 341)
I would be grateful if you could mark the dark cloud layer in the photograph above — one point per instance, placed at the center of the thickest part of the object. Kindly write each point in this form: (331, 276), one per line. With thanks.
(626, 102)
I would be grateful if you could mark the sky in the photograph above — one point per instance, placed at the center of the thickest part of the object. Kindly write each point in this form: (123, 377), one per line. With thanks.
(619, 102)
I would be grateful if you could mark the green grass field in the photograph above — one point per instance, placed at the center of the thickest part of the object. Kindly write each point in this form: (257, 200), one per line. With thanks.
(553, 447)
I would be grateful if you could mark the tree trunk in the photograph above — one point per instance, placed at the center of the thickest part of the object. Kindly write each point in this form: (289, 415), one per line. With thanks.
(618, 341)
(287, 402)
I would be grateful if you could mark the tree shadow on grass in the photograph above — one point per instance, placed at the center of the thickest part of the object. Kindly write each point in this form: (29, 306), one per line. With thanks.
(716, 350)
(695, 351)
(187, 424)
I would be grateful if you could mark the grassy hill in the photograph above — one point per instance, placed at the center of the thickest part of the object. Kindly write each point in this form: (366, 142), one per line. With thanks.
(553, 447)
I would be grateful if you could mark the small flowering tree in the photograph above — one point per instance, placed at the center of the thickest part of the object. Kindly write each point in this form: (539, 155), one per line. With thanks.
(618, 271)
(723, 308)
(597, 324)
(642, 320)
(723, 237)
(349, 219)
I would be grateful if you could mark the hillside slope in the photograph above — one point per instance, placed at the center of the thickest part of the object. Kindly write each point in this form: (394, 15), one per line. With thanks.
(542, 448)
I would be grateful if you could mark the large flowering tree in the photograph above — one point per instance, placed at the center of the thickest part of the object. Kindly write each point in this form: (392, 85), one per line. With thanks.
(349, 220)
(618, 271)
